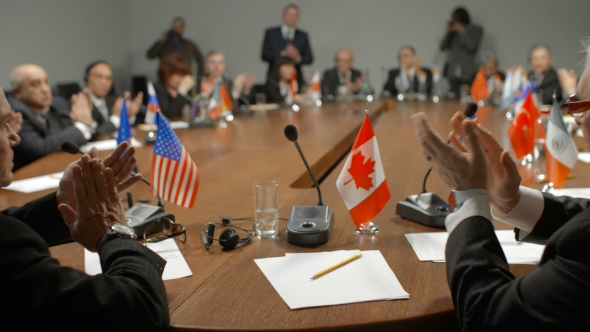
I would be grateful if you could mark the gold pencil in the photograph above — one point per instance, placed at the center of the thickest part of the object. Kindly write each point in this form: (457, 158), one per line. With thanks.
(336, 266)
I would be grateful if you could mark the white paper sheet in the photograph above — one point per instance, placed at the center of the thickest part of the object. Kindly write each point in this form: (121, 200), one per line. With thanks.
(35, 184)
(178, 124)
(176, 266)
(368, 278)
(584, 156)
(573, 192)
(431, 247)
(109, 144)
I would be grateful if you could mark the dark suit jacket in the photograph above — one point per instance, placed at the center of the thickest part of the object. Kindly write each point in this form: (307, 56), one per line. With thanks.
(105, 126)
(38, 294)
(462, 51)
(548, 86)
(274, 44)
(273, 92)
(36, 141)
(171, 107)
(555, 297)
(331, 82)
(394, 73)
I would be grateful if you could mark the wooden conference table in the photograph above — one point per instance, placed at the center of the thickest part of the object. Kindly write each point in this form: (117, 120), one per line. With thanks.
(227, 290)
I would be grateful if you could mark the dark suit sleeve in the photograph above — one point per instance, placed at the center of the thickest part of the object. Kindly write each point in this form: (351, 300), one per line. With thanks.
(34, 146)
(269, 52)
(273, 94)
(44, 218)
(42, 295)
(306, 53)
(446, 42)
(171, 107)
(428, 80)
(549, 86)
(471, 39)
(328, 84)
(487, 297)
(156, 50)
(390, 85)
(557, 211)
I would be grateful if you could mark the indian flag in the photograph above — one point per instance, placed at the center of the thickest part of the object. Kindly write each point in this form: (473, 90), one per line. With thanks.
(561, 150)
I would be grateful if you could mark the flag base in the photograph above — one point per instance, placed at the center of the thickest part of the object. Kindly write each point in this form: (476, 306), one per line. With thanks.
(548, 187)
(527, 160)
(368, 228)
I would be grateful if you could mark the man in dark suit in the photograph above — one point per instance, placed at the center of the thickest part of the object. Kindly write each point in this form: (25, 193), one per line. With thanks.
(410, 77)
(544, 77)
(287, 41)
(39, 294)
(487, 297)
(47, 121)
(343, 78)
(462, 41)
(106, 106)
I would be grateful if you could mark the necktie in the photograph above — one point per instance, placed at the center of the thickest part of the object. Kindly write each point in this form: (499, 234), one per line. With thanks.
(44, 119)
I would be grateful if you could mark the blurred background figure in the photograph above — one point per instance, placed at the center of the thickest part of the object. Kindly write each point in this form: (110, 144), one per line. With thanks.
(279, 86)
(410, 77)
(488, 64)
(542, 75)
(240, 88)
(462, 42)
(174, 83)
(172, 41)
(287, 41)
(106, 106)
(343, 79)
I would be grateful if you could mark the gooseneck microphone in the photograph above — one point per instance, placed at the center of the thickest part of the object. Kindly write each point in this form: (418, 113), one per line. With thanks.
(73, 148)
(292, 135)
(427, 208)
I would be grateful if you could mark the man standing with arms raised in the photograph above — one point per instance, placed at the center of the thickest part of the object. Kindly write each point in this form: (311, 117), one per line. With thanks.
(287, 41)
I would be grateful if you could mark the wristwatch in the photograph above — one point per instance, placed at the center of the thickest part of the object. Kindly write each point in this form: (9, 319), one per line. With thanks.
(116, 231)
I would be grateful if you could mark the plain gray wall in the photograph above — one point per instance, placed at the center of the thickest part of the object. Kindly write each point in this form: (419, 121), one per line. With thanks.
(65, 35)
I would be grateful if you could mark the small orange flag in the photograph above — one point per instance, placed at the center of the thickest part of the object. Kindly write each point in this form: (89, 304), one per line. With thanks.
(479, 87)
(521, 135)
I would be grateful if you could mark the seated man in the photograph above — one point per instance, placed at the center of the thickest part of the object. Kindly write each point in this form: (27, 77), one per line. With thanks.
(411, 77)
(544, 77)
(486, 295)
(240, 88)
(39, 294)
(342, 79)
(489, 65)
(106, 108)
(48, 121)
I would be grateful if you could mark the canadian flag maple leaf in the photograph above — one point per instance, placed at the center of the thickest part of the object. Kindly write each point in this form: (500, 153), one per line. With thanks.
(360, 171)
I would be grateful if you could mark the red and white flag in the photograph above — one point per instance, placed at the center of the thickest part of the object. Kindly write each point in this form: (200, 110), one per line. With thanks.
(362, 182)
(561, 150)
(316, 91)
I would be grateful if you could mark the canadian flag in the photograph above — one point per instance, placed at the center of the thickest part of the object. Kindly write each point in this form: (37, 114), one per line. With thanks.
(561, 150)
(362, 182)
(316, 92)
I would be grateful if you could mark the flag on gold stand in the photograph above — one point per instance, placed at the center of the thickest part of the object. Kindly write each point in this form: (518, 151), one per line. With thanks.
(561, 152)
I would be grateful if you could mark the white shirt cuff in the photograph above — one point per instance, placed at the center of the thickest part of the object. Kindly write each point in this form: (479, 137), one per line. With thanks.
(115, 120)
(476, 205)
(527, 212)
(84, 129)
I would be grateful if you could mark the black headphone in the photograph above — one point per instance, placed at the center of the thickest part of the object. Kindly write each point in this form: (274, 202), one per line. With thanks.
(228, 238)
(91, 65)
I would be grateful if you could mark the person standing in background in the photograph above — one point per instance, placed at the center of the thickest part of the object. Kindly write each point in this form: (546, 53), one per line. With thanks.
(172, 41)
(543, 76)
(462, 41)
(287, 41)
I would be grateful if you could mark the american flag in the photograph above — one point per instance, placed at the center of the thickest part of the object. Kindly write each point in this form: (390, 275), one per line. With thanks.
(175, 176)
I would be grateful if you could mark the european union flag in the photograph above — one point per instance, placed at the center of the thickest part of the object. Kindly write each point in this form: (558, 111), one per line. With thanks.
(124, 133)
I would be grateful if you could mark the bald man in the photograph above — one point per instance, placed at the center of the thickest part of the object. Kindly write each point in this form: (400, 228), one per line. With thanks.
(342, 79)
(48, 121)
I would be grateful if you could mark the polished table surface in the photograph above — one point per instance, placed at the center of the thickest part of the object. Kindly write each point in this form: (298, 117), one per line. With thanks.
(227, 290)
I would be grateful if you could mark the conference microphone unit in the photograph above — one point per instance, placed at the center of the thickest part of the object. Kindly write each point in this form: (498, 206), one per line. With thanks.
(308, 225)
(428, 208)
(139, 216)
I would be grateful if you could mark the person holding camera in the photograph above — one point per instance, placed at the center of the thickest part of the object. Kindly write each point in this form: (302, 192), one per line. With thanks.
(172, 41)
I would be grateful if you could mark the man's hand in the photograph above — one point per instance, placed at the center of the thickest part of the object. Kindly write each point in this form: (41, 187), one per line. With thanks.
(187, 82)
(133, 105)
(568, 80)
(97, 203)
(292, 52)
(81, 109)
(503, 178)
(458, 170)
(418, 66)
(15, 121)
(122, 166)
(356, 85)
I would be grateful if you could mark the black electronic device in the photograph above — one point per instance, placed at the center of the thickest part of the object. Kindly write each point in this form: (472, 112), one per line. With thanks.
(428, 208)
(228, 238)
(308, 225)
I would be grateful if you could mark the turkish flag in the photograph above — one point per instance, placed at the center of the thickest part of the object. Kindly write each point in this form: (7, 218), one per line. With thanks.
(479, 88)
(521, 135)
(361, 183)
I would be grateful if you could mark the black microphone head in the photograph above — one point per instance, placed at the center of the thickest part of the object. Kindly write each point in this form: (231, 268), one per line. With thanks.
(70, 147)
(291, 133)
(470, 110)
